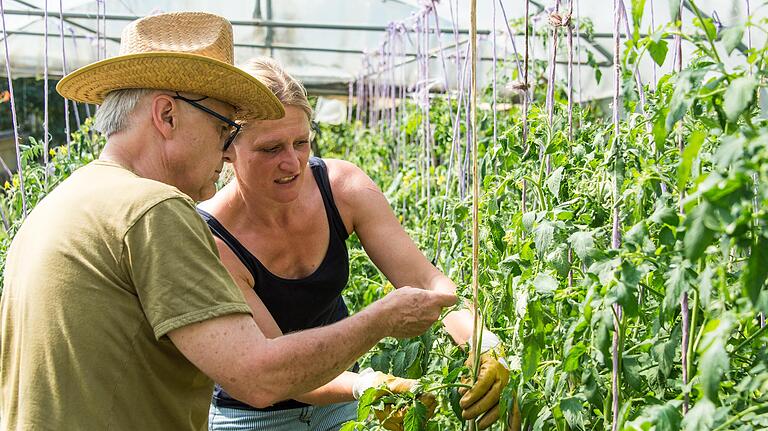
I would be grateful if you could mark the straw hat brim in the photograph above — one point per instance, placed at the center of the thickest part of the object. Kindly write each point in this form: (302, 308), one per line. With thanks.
(173, 71)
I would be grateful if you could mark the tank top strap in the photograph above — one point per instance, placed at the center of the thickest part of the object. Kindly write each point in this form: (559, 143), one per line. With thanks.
(320, 172)
(242, 253)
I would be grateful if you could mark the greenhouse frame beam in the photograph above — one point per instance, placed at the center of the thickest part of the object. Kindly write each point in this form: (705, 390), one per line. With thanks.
(251, 22)
(239, 45)
(56, 16)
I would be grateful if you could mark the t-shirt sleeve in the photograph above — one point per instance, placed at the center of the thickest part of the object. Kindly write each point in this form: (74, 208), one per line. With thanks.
(172, 260)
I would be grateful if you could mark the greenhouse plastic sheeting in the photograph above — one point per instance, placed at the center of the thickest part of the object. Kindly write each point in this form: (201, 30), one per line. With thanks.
(331, 71)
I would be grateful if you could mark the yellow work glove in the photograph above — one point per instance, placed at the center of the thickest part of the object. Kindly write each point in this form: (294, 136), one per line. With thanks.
(482, 400)
(389, 419)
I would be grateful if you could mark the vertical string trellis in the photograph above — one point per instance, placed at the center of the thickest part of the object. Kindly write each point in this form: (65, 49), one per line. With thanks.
(477, 326)
(684, 311)
(526, 100)
(616, 232)
(67, 130)
(19, 167)
(755, 203)
(46, 134)
(555, 20)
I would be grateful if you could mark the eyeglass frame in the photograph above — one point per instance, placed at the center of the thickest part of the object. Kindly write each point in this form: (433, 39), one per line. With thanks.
(210, 111)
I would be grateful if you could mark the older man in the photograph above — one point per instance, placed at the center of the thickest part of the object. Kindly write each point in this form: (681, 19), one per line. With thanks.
(116, 312)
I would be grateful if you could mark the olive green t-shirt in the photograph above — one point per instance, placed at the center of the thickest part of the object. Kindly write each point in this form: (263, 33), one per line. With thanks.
(101, 270)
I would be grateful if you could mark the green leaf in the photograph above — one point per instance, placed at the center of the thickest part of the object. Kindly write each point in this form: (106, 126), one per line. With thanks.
(697, 235)
(453, 400)
(349, 426)
(528, 220)
(380, 361)
(398, 364)
(583, 244)
(756, 271)
(713, 358)
(689, 154)
(545, 284)
(507, 400)
(573, 411)
(658, 51)
(412, 362)
(668, 417)
(664, 352)
(665, 215)
(605, 269)
(543, 235)
(630, 367)
(682, 97)
(573, 357)
(416, 417)
(677, 284)
(738, 96)
(626, 288)
(674, 10)
(660, 129)
(731, 37)
(554, 180)
(708, 26)
(701, 417)
(364, 404)
(731, 151)
(665, 417)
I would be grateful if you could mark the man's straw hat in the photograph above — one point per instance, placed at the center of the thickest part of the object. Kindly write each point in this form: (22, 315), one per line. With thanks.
(185, 51)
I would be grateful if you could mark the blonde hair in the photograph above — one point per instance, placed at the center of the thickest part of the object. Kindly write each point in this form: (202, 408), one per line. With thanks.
(288, 90)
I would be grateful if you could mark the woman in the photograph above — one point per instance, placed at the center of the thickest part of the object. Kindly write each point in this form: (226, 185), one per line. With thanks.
(281, 226)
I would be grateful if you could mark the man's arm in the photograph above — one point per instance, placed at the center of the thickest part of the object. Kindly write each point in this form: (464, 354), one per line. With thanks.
(233, 351)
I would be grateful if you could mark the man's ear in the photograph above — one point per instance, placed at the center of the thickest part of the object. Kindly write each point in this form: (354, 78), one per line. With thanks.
(165, 115)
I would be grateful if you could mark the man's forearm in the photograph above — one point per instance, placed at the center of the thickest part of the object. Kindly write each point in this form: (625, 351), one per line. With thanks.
(297, 363)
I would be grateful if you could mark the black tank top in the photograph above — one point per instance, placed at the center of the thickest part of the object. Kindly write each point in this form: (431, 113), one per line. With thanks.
(296, 304)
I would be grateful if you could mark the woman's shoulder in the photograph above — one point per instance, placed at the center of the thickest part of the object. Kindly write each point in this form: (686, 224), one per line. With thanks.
(346, 177)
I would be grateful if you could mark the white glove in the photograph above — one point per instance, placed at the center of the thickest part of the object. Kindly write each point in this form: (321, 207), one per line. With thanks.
(489, 341)
(366, 379)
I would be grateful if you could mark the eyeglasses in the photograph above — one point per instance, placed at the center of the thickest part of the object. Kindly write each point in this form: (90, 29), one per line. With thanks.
(235, 127)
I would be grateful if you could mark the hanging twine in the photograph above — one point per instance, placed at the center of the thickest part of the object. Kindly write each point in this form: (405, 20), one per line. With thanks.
(616, 233)
(19, 166)
(46, 134)
(64, 72)
(477, 326)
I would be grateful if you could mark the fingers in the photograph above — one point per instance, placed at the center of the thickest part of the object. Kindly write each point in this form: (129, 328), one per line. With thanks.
(489, 418)
(485, 380)
(399, 385)
(443, 299)
(484, 404)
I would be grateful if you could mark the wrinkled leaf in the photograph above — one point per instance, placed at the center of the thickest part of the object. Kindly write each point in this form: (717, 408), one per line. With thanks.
(738, 96)
(731, 37)
(545, 284)
(573, 411)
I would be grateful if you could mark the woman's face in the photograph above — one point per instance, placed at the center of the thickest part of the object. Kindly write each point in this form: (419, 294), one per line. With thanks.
(272, 155)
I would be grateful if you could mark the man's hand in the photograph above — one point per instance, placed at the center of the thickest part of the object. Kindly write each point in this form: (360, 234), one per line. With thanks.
(408, 312)
(482, 400)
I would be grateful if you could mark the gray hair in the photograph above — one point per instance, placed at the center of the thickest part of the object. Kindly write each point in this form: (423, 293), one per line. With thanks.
(114, 114)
